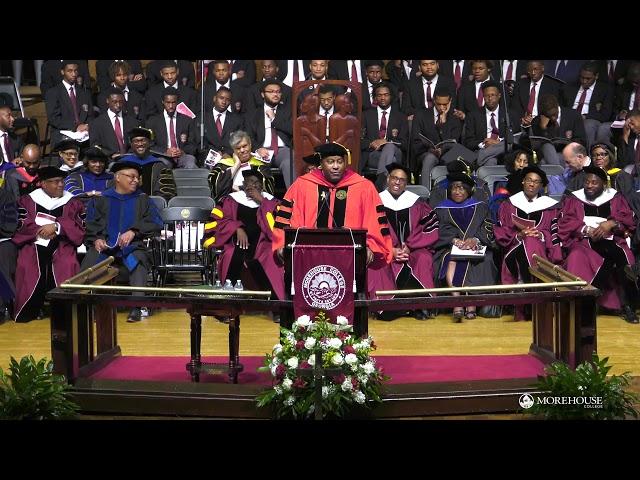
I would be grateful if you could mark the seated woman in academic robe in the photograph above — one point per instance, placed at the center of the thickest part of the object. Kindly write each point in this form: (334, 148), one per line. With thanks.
(242, 226)
(465, 229)
(226, 176)
(94, 180)
(514, 162)
(527, 224)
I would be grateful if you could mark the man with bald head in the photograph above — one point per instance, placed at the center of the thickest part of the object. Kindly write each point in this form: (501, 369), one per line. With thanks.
(575, 159)
(24, 179)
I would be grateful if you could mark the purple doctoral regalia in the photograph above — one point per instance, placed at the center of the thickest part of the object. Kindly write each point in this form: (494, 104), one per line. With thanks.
(420, 236)
(65, 263)
(220, 232)
(505, 232)
(582, 260)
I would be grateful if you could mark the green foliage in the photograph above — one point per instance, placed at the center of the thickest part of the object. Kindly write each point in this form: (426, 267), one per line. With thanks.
(351, 383)
(31, 391)
(589, 379)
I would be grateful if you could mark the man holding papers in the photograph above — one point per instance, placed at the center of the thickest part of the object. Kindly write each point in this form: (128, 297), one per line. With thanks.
(50, 228)
(594, 225)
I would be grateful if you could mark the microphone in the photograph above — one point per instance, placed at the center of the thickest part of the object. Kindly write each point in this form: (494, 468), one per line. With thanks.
(508, 136)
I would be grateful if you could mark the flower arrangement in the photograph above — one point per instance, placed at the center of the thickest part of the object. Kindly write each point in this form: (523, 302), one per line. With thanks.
(348, 376)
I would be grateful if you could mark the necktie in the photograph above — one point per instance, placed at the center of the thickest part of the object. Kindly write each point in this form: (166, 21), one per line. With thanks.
(495, 133)
(611, 70)
(583, 98)
(457, 76)
(8, 148)
(274, 137)
(532, 99)
(428, 96)
(118, 131)
(354, 71)
(296, 76)
(382, 133)
(438, 122)
(172, 133)
(74, 104)
(219, 125)
(636, 101)
(480, 97)
(509, 75)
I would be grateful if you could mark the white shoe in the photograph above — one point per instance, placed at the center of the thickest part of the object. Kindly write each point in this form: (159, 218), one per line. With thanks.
(144, 312)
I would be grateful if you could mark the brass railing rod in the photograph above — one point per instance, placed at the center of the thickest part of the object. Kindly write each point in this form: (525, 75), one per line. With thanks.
(200, 291)
(483, 288)
(90, 271)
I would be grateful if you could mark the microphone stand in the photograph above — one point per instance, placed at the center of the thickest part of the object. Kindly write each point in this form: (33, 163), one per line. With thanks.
(201, 105)
(508, 138)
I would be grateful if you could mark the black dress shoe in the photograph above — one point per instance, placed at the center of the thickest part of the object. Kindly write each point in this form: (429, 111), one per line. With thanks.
(629, 315)
(419, 315)
(134, 316)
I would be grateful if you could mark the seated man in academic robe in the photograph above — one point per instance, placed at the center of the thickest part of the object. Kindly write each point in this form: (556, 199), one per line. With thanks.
(594, 224)
(333, 197)
(50, 228)
(150, 166)
(24, 179)
(413, 225)
(118, 221)
(242, 226)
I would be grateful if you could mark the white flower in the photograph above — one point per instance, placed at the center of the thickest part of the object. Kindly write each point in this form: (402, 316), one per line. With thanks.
(368, 368)
(312, 360)
(277, 348)
(278, 389)
(354, 368)
(292, 362)
(335, 343)
(290, 400)
(346, 385)
(342, 320)
(290, 338)
(359, 397)
(337, 359)
(286, 384)
(351, 358)
(273, 370)
(325, 392)
(363, 379)
(309, 343)
(302, 321)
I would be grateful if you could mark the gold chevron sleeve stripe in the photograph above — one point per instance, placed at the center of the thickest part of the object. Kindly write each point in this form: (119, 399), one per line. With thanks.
(208, 242)
(210, 225)
(270, 220)
(217, 212)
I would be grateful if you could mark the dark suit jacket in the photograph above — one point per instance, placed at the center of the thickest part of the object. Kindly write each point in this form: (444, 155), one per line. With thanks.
(103, 79)
(338, 70)
(424, 123)
(60, 111)
(238, 94)
(153, 100)
(134, 105)
(249, 67)
(414, 97)
(398, 75)
(185, 133)
(600, 105)
(254, 124)
(467, 99)
(626, 152)
(233, 122)
(522, 89)
(396, 120)
(476, 126)
(16, 145)
(186, 73)
(51, 75)
(283, 68)
(521, 70)
(619, 73)
(570, 121)
(571, 70)
(101, 133)
(446, 69)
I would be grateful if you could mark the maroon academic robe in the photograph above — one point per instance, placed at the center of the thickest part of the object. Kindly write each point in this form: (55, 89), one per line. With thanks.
(65, 263)
(582, 260)
(420, 236)
(219, 233)
(505, 232)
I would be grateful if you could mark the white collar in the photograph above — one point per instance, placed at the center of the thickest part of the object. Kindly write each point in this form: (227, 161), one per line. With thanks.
(406, 200)
(47, 202)
(520, 200)
(606, 196)
(66, 168)
(242, 199)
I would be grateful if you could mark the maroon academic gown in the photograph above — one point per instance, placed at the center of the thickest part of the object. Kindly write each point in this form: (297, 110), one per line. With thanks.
(505, 232)
(420, 236)
(65, 263)
(219, 233)
(582, 260)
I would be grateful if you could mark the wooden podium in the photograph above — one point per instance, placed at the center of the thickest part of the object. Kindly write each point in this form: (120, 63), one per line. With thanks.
(329, 236)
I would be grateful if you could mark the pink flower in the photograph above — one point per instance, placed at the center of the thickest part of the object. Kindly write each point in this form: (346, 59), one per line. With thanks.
(299, 344)
(299, 383)
(354, 382)
(348, 349)
(342, 335)
(305, 364)
(339, 379)
(280, 370)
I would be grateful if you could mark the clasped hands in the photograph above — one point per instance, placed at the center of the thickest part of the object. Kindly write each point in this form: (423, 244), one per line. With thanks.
(603, 230)
(48, 232)
(468, 244)
(123, 241)
(529, 232)
(401, 255)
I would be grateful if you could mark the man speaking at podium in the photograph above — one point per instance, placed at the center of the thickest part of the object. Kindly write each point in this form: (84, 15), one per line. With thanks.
(334, 197)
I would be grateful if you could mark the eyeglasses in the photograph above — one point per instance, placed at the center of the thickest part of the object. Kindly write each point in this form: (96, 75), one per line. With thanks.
(532, 182)
(600, 155)
(70, 154)
(132, 178)
(393, 178)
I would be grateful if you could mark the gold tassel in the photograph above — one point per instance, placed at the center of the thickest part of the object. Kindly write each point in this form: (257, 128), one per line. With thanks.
(348, 153)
